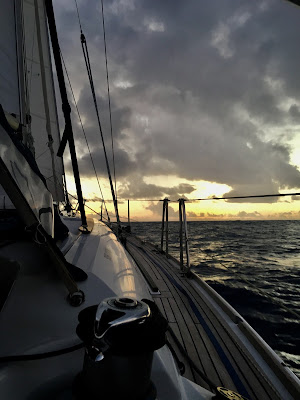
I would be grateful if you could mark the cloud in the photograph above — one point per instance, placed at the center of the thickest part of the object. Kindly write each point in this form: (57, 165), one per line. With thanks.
(295, 112)
(191, 214)
(138, 189)
(157, 208)
(249, 215)
(202, 91)
(212, 215)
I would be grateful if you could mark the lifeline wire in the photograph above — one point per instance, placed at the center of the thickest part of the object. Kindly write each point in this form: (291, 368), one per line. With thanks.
(220, 198)
(96, 212)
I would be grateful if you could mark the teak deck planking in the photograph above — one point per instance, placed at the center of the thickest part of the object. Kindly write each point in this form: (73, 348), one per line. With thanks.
(176, 293)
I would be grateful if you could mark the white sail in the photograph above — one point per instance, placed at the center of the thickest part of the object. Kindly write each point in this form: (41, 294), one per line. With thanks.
(41, 100)
(9, 82)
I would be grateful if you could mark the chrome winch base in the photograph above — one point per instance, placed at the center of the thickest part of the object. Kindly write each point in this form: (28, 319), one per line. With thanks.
(120, 335)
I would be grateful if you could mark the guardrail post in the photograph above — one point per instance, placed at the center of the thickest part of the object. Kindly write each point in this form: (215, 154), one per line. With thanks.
(165, 228)
(162, 228)
(183, 228)
(180, 234)
(129, 226)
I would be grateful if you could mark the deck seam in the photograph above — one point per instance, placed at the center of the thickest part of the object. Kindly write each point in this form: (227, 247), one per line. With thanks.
(261, 379)
(250, 365)
(224, 344)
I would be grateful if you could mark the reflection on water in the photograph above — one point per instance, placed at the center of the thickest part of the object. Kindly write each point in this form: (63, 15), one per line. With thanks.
(242, 260)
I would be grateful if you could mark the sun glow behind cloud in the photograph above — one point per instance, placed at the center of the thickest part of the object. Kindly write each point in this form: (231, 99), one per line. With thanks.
(285, 208)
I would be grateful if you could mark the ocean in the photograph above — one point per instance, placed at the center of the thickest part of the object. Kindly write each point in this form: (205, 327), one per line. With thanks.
(255, 266)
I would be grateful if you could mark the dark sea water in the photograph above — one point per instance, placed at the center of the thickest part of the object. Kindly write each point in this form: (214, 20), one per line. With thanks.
(255, 266)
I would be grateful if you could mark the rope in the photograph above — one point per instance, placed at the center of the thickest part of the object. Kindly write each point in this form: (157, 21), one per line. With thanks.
(108, 95)
(83, 130)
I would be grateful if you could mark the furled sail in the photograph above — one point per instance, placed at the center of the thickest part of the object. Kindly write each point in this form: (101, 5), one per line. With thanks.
(9, 82)
(21, 179)
(41, 96)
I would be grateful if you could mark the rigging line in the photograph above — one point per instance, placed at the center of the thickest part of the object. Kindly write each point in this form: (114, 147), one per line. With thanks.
(220, 198)
(247, 197)
(41, 154)
(89, 71)
(69, 194)
(83, 130)
(260, 291)
(68, 136)
(108, 95)
(78, 15)
(96, 212)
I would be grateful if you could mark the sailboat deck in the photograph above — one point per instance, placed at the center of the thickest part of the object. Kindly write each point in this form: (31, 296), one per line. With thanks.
(199, 328)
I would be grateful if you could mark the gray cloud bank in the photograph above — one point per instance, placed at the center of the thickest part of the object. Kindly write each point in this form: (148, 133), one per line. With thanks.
(200, 89)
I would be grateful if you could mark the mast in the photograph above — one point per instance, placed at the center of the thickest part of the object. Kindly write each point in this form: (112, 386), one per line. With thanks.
(68, 132)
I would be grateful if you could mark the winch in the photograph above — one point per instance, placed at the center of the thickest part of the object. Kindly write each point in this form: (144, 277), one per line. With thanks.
(120, 336)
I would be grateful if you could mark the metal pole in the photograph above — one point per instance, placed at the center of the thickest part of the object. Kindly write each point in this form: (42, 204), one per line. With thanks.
(68, 134)
(129, 227)
(101, 210)
(162, 227)
(187, 249)
(128, 212)
(181, 234)
(167, 227)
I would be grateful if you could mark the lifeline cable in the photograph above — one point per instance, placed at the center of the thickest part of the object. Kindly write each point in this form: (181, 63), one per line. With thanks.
(96, 212)
(220, 198)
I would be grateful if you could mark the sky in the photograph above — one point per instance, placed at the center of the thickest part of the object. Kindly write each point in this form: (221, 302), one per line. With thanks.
(205, 99)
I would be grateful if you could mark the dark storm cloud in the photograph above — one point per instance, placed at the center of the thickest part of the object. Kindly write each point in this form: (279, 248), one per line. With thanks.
(138, 189)
(295, 113)
(197, 89)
